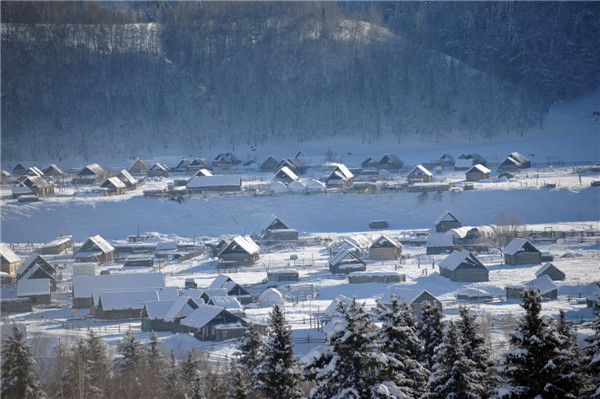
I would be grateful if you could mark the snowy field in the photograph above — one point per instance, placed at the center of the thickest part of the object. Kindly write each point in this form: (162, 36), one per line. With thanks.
(571, 205)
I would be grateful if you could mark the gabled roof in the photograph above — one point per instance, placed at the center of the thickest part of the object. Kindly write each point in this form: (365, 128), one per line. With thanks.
(478, 168)
(215, 181)
(24, 165)
(203, 172)
(91, 169)
(270, 159)
(210, 292)
(343, 170)
(164, 293)
(158, 309)
(446, 216)
(516, 244)
(420, 170)
(8, 254)
(227, 302)
(139, 164)
(202, 316)
(543, 283)
(202, 162)
(285, 172)
(456, 258)
(390, 159)
(83, 286)
(32, 260)
(518, 157)
(293, 163)
(126, 177)
(99, 242)
(119, 300)
(545, 267)
(184, 305)
(510, 161)
(182, 165)
(38, 286)
(53, 169)
(159, 166)
(34, 171)
(246, 243)
(344, 255)
(36, 269)
(113, 181)
(385, 239)
(35, 181)
(274, 223)
(220, 281)
(409, 295)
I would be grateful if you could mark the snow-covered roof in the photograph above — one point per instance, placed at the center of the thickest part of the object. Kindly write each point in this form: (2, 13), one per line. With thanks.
(203, 172)
(446, 216)
(20, 190)
(452, 261)
(215, 292)
(286, 172)
(409, 295)
(202, 316)
(83, 286)
(543, 284)
(118, 300)
(184, 305)
(315, 185)
(274, 221)
(8, 254)
(158, 309)
(100, 243)
(478, 168)
(420, 170)
(518, 157)
(545, 267)
(227, 302)
(38, 286)
(160, 166)
(435, 239)
(215, 181)
(359, 241)
(164, 293)
(343, 170)
(219, 281)
(246, 243)
(463, 163)
(331, 309)
(270, 297)
(34, 269)
(93, 168)
(114, 181)
(126, 177)
(27, 263)
(343, 255)
(514, 246)
(386, 238)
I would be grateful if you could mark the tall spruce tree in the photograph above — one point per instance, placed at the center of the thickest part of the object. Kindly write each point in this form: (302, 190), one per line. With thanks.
(475, 348)
(592, 360)
(397, 340)
(243, 368)
(19, 378)
(127, 365)
(345, 368)
(97, 365)
(532, 366)
(453, 375)
(569, 375)
(430, 330)
(277, 373)
(171, 381)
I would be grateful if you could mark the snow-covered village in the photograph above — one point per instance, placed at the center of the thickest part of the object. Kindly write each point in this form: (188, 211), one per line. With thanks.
(446, 264)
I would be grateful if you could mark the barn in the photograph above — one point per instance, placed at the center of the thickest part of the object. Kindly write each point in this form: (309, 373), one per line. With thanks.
(551, 271)
(10, 261)
(213, 323)
(477, 172)
(521, 252)
(241, 251)
(419, 175)
(447, 221)
(463, 266)
(385, 248)
(95, 249)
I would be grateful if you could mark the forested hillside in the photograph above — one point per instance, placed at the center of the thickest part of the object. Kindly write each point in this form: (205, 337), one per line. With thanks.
(150, 76)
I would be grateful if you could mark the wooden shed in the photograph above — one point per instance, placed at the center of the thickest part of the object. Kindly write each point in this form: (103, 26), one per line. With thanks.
(477, 172)
(95, 249)
(447, 221)
(285, 175)
(346, 262)
(543, 284)
(340, 176)
(138, 167)
(57, 246)
(15, 305)
(463, 266)
(551, 271)
(241, 251)
(521, 252)
(129, 181)
(10, 261)
(390, 162)
(38, 185)
(203, 172)
(509, 164)
(419, 175)
(465, 161)
(90, 174)
(385, 248)
(213, 323)
(269, 165)
(158, 170)
(369, 163)
(113, 186)
(139, 260)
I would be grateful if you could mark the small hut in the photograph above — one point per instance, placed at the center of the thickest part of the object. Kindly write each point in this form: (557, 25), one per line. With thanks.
(346, 262)
(95, 249)
(447, 221)
(114, 186)
(521, 252)
(90, 174)
(477, 172)
(241, 251)
(138, 167)
(285, 175)
(420, 175)
(385, 248)
(182, 166)
(390, 162)
(463, 266)
(551, 271)
(340, 177)
(38, 185)
(213, 323)
(54, 171)
(129, 181)
(158, 169)
(269, 165)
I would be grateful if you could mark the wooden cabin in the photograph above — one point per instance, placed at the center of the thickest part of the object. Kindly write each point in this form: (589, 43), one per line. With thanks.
(241, 251)
(129, 181)
(164, 315)
(203, 172)
(551, 271)
(57, 246)
(285, 175)
(447, 221)
(21, 168)
(369, 163)
(113, 186)
(139, 260)
(340, 176)
(198, 164)
(226, 159)
(346, 262)
(385, 248)
(95, 249)
(37, 272)
(417, 299)
(543, 284)
(390, 162)
(91, 174)
(232, 288)
(158, 170)
(54, 171)
(419, 175)
(138, 167)
(213, 323)
(15, 305)
(10, 261)
(463, 266)
(294, 164)
(446, 160)
(477, 172)
(521, 252)
(37, 290)
(33, 260)
(38, 186)
(269, 165)
(5, 177)
(465, 161)
(182, 166)
(121, 305)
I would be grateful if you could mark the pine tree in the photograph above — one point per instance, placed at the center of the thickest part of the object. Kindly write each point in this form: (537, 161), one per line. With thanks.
(154, 354)
(569, 377)
(197, 391)
(97, 367)
(19, 379)
(243, 368)
(474, 347)
(239, 384)
(532, 365)
(430, 330)
(127, 365)
(397, 340)
(453, 374)
(278, 373)
(172, 386)
(189, 368)
(592, 360)
(345, 368)
(74, 380)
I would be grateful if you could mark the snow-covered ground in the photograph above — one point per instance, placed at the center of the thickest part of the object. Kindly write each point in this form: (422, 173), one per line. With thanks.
(573, 204)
